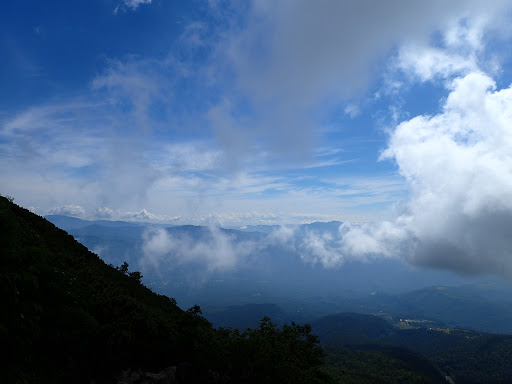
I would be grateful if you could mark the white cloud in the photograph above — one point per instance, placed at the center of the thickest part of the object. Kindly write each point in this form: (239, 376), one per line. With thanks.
(267, 66)
(104, 213)
(462, 47)
(287, 61)
(321, 248)
(428, 63)
(458, 53)
(146, 216)
(307, 50)
(332, 249)
(458, 167)
(72, 151)
(213, 251)
(191, 156)
(352, 110)
(131, 5)
(68, 210)
(283, 235)
(194, 34)
(137, 84)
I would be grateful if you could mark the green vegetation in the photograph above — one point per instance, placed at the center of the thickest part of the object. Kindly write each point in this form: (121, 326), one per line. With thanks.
(67, 317)
(366, 349)
(290, 354)
(350, 329)
(469, 357)
(356, 353)
(246, 316)
(379, 364)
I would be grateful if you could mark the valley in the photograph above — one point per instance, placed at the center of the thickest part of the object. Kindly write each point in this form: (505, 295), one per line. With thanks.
(354, 336)
(365, 315)
(277, 271)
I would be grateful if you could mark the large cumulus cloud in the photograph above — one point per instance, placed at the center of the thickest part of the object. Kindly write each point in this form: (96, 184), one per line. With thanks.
(458, 167)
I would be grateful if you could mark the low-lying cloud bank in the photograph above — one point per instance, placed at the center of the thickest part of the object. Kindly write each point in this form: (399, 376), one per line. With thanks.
(212, 251)
(458, 168)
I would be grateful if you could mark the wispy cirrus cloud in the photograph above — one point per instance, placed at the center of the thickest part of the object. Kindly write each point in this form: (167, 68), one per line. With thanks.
(74, 153)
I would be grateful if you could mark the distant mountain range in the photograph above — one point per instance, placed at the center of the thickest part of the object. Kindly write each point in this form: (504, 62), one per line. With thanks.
(389, 350)
(267, 269)
(67, 222)
(66, 316)
(466, 356)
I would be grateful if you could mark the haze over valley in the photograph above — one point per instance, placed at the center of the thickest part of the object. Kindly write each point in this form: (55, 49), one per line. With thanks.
(216, 268)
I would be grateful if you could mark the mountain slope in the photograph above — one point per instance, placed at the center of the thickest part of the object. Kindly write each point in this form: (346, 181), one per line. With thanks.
(67, 316)
(350, 328)
(365, 346)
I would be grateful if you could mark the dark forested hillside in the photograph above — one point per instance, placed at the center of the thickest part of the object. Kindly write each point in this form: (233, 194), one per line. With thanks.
(469, 357)
(350, 328)
(67, 317)
(361, 346)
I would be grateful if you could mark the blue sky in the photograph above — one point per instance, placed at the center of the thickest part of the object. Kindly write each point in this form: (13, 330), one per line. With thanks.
(256, 113)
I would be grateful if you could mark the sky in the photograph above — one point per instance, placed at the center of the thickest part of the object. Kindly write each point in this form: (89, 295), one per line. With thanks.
(393, 117)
